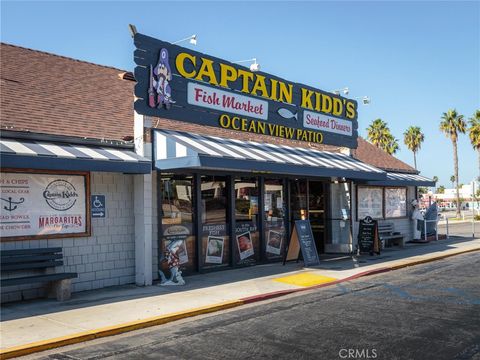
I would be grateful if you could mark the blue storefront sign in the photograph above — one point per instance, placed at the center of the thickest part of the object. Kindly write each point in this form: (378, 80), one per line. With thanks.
(98, 206)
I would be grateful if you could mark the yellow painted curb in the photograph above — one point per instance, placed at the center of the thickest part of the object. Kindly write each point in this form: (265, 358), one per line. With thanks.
(305, 279)
(112, 330)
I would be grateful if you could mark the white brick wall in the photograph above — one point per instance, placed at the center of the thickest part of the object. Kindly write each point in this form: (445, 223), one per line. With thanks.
(403, 226)
(104, 259)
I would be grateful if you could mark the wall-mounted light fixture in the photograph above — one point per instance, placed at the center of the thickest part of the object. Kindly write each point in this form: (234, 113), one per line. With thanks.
(192, 39)
(253, 67)
(366, 100)
(345, 91)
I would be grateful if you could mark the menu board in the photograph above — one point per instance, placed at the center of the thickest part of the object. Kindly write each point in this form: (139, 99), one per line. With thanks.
(302, 239)
(368, 236)
(35, 205)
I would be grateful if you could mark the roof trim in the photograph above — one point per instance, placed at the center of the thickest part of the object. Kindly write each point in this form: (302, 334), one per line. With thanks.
(63, 139)
(403, 179)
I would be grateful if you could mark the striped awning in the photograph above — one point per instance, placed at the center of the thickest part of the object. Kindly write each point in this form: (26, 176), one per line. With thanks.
(175, 150)
(25, 154)
(402, 179)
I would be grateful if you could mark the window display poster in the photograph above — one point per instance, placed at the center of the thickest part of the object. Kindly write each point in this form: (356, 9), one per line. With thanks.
(370, 202)
(175, 236)
(245, 245)
(215, 250)
(214, 238)
(395, 202)
(178, 247)
(274, 242)
(35, 205)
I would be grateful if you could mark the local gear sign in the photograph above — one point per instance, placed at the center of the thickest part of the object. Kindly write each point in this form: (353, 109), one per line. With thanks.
(42, 204)
(177, 83)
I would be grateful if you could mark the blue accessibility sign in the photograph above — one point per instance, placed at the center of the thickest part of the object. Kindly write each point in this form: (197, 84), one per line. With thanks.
(98, 206)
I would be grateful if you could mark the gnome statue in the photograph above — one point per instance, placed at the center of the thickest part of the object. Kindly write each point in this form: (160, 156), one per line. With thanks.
(416, 216)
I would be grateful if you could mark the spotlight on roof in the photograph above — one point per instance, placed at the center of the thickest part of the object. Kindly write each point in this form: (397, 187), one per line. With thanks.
(191, 39)
(345, 91)
(253, 67)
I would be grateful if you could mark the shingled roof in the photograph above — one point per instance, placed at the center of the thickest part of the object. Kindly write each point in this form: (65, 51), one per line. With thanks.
(372, 155)
(47, 93)
(51, 94)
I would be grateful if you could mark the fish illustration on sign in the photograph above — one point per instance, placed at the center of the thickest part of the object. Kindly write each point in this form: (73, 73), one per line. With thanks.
(287, 114)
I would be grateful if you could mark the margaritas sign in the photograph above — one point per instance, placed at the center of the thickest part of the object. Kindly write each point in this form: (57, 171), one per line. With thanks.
(177, 83)
(43, 205)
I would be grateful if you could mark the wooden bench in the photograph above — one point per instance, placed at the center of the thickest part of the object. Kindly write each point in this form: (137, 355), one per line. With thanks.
(388, 236)
(15, 261)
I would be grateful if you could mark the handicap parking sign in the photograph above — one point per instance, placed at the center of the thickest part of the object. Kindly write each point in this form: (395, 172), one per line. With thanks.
(98, 206)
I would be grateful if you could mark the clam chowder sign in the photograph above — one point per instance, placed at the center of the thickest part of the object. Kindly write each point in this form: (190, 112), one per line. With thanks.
(177, 83)
(42, 205)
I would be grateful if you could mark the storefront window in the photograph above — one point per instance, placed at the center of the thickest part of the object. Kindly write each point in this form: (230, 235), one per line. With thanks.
(339, 225)
(177, 219)
(274, 218)
(215, 239)
(370, 202)
(395, 202)
(316, 213)
(247, 241)
(298, 194)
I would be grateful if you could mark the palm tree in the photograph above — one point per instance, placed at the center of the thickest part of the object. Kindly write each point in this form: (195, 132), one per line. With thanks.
(451, 125)
(452, 180)
(378, 132)
(413, 138)
(379, 135)
(474, 134)
(390, 145)
(435, 178)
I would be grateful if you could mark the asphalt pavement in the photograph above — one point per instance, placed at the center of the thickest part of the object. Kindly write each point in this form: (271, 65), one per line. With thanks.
(429, 311)
(460, 229)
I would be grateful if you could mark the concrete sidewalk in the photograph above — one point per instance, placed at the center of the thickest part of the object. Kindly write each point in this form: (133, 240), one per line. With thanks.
(38, 325)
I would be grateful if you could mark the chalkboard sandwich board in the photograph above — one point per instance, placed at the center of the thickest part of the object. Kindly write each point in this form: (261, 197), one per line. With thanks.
(302, 239)
(368, 236)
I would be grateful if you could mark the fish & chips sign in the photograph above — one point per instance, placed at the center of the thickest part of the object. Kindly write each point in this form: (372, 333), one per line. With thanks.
(177, 83)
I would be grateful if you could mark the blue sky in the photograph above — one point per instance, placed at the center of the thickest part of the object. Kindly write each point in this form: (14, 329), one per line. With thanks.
(415, 60)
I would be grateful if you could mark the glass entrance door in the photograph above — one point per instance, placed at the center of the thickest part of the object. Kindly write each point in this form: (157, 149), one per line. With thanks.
(274, 215)
(307, 201)
(247, 236)
(298, 200)
(316, 212)
(178, 230)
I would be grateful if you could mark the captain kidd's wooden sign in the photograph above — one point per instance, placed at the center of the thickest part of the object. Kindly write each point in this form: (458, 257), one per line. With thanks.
(177, 83)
